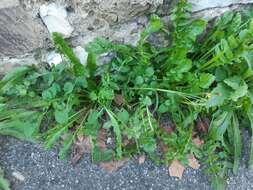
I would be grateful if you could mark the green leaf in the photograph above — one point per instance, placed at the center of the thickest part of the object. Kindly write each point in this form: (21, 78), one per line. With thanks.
(218, 95)
(237, 143)
(206, 80)
(101, 156)
(139, 80)
(4, 184)
(92, 64)
(99, 46)
(218, 183)
(92, 125)
(66, 146)
(68, 87)
(148, 144)
(64, 48)
(81, 81)
(54, 135)
(61, 116)
(20, 123)
(154, 26)
(233, 82)
(117, 132)
(123, 116)
(250, 116)
(147, 101)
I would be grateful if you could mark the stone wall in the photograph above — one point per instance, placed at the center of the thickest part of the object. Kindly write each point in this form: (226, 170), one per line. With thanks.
(25, 25)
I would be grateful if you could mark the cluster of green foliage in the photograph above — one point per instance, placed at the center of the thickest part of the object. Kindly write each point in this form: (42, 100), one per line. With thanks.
(4, 184)
(201, 73)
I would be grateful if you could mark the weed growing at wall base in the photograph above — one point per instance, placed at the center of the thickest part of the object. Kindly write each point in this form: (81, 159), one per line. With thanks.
(158, 100)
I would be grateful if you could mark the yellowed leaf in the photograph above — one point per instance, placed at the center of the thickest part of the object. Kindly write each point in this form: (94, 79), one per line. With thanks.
(193, 162)
(113, 165)
(142, 159)
(176, 169)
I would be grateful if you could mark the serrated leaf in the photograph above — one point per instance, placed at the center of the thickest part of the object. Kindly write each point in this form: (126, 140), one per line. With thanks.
(154, 26)
(66, 146)
(92, 64)
(63, 47)
(54, 136)
(237, 143)
(117, 131)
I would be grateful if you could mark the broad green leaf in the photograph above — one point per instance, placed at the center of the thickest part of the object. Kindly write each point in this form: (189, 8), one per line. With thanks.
(218, 95)
(240, 92)
(148, 144)
(239, 86)
(123, 116)
(61, 116)
(68, 87)
(92, 126)
(147, 101)
(206, 80)
(233, 82)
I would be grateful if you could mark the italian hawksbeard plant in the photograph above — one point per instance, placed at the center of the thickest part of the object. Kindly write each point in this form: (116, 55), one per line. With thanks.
(180, 104)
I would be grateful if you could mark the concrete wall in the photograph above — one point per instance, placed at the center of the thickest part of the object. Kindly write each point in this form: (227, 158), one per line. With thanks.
(25, 25)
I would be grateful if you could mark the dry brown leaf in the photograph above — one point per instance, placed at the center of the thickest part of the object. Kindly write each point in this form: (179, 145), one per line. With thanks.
(113, 165)
(198, 142)
(142, 159)
(193, 162)
(81, 146)
(163, 147)
(119, 99)
(176, 169)
(101, 139)
(203, 125)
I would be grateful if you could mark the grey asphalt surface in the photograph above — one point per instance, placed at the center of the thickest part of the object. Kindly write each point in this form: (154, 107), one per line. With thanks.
(44, 171)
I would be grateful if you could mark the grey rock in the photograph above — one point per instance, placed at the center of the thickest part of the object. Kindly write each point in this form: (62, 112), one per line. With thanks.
(8, 3)
(53, 58)
(81, 54)
(7, 63)
(199, 5)
(19, 34)
(54, 17)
